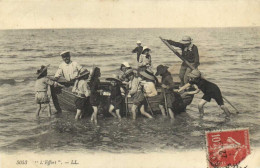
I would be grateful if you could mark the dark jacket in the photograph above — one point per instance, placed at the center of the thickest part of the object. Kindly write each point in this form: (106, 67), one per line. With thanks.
(191, 55)
(168, 81)
(138, 50)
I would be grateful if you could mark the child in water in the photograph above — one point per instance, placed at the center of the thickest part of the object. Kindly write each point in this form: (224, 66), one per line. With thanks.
(41, 88)
(115, 97)
(82, 91)
(95, 92)
(209, 89)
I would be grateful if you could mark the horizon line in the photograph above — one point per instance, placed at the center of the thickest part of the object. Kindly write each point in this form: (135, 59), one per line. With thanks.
(128, 28)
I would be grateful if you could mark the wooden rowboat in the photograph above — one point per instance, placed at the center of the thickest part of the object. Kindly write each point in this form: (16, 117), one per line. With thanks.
(63, 100)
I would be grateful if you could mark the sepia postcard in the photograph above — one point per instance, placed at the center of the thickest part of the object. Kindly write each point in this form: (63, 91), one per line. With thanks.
(129, 84)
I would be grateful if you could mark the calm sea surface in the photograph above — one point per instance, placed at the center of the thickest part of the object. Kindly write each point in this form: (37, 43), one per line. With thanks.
(230, 57)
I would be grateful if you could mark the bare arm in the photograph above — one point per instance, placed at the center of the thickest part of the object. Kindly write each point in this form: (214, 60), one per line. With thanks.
(184, 87)
(197, 90)
(58, 73)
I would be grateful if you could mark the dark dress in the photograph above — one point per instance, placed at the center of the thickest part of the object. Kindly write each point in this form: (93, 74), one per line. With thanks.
(138, 50)
(116, 98)
(209, 89)
(95, 95)
(174, 100)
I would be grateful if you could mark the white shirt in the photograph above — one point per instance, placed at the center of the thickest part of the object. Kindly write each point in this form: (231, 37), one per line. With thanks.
(149, 88)
(68, 71)
(81, 87)
(143, 61)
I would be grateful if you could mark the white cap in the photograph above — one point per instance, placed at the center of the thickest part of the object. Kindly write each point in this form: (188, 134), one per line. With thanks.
(126, 64)
(138, 42)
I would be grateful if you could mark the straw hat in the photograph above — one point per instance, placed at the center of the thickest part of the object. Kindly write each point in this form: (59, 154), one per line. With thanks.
(161, 69)
(145, 48)
(42, 70)
(186, 40)
(114, 78)
(147, 74)
(194, 74)
(138, 42)
(65, 54)
(83, 73)
(125, 64)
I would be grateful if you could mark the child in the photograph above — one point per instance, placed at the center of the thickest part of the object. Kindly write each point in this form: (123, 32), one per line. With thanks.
(145, 60)
(137, 95)
(41, 87)
(209, 89)
(82, 91)
(124, 67)
(115, 97)
(148, 83)
(95, 93)
(168, 97)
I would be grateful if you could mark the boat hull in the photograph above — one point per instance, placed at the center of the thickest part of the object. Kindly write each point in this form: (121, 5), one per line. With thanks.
(64, 100)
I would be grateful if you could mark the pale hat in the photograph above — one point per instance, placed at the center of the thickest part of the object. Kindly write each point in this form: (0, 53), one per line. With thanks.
(126, 64)
(186, 40)
(83, 73)
(138, 42)
(65, 54)
(194, 74)
(145, 48)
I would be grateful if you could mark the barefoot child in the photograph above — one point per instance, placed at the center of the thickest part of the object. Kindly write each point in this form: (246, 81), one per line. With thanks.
(82, 91)
(209, 89)
(167, 96)
(41, 88)
(115, 97)
(137, 94)
(95, 94)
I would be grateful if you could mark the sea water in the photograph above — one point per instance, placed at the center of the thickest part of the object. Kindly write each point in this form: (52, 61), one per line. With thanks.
(229, 57)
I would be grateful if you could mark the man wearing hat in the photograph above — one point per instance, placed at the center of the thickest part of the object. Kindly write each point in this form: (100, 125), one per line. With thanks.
(190, 53)
(210, 90)
(68, 69)
(138, 50)
(167, 85)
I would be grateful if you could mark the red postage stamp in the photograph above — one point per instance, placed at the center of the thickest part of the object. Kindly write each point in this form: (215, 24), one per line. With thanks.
(227, 147)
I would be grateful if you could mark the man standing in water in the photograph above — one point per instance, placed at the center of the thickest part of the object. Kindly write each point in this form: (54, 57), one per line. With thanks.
(190, 53)
(138, 50)
(68, 69)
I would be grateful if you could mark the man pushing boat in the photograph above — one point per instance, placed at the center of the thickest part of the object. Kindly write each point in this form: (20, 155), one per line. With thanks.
(68, 69)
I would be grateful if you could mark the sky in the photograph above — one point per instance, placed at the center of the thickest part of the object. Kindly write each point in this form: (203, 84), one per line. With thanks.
(30, 14)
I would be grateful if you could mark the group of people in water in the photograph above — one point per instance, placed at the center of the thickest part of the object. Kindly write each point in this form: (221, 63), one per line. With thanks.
(138, 83)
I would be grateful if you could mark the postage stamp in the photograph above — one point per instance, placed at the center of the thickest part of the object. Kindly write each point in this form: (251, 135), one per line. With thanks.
(227, 147)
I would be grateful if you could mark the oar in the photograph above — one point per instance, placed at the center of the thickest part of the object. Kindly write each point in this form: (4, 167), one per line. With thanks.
(126, 105)
(230, 104)
(189, 65)
(165, 102)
